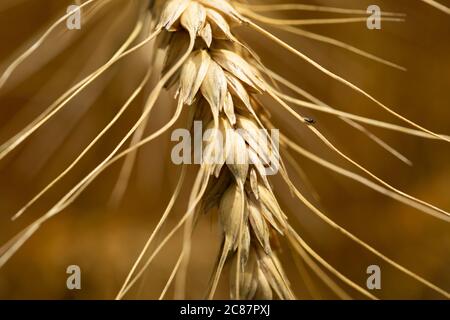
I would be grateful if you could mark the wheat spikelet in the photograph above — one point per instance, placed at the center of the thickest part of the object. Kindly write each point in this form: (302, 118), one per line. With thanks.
(219, 79)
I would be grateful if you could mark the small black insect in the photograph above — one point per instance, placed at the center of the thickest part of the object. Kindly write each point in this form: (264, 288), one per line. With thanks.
(310, 121)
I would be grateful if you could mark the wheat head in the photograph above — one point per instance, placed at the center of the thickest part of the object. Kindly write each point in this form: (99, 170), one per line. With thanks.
(219, 81)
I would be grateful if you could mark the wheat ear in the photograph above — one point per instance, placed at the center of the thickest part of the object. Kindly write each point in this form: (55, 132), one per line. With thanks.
(216, 76)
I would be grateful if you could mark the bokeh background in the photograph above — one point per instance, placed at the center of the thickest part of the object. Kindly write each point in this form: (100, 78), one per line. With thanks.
(104, 240)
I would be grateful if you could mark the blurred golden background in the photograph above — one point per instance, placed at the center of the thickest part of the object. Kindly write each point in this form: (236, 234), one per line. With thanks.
(104, 241)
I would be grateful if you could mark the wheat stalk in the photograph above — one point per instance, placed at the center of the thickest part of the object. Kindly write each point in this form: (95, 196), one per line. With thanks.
(220, 80)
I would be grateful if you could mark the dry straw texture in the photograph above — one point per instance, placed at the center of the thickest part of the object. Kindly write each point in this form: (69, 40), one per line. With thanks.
(196, 55)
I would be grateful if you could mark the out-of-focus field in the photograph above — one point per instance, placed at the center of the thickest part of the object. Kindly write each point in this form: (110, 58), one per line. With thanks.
(104, 242)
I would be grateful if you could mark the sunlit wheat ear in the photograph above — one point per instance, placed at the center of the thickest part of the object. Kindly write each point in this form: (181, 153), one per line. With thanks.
(234, 203)
(214, 77)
